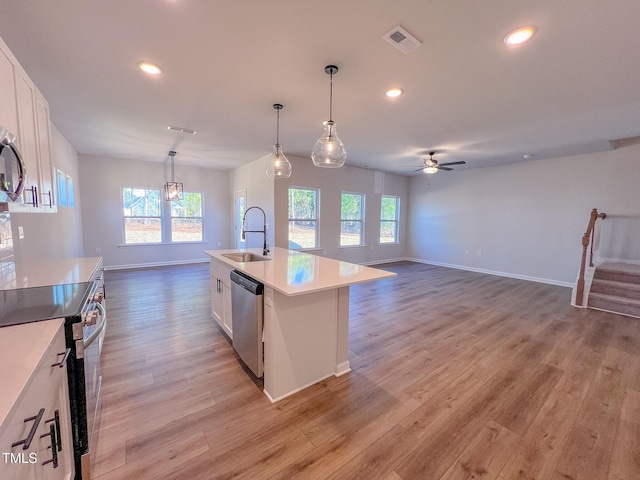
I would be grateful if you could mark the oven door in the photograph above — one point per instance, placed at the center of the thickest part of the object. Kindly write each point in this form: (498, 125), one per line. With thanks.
(93, 340)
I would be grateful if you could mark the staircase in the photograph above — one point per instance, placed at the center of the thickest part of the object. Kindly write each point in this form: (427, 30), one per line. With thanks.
(616, 288)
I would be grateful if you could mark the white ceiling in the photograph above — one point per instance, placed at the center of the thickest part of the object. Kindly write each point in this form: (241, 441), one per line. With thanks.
(572, 89)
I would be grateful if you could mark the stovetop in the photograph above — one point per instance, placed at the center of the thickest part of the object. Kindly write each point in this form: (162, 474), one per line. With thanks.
(25, 305)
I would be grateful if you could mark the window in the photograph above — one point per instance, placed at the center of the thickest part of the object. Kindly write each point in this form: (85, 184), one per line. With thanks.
(351, 218)
(186, 218)
(61, 179)
(303, 218)
(64, 190)
(389, 215)
(70, 196)
(142, 215)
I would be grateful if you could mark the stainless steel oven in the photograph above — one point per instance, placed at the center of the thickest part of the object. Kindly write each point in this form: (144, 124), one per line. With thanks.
(85, 335)
(82, 306)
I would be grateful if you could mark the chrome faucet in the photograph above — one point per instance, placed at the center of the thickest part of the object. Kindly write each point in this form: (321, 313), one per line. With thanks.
(265, 250)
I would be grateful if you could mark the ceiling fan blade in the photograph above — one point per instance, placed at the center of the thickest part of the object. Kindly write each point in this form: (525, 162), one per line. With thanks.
(440, 167)
(453, 163)
(419, 169)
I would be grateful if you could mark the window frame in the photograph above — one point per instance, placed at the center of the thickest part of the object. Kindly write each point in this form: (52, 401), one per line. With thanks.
(125, 217)
(360, 220)
(396, 220)
(316, 243)
(201, 218)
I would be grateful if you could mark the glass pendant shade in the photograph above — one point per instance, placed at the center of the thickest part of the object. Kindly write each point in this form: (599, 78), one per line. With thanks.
(173, 191)
(278, 166)
(429, 170)
(329, 151)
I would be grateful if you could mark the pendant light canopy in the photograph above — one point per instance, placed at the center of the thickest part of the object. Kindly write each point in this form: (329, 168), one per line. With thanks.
(172, 189)
(329, 151)
(278, 165)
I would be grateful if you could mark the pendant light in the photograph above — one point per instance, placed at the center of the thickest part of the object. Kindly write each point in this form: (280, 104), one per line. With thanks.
(278, 165)
(172, 189)
(329, 151)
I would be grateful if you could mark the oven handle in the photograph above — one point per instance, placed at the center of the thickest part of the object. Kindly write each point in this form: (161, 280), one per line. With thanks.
(103, 320)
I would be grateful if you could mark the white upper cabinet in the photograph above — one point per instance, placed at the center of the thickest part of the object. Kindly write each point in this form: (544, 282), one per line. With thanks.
(8, 107)
(25, 112)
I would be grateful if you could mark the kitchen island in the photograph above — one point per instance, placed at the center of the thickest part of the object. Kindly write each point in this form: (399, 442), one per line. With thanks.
(306, 314)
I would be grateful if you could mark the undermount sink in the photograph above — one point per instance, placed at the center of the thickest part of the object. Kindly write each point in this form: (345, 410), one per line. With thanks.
(245, 257)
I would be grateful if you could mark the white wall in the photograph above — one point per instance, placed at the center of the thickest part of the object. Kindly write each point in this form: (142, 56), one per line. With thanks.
(101, 183)
(332, 182)
(526, 220)
(259, 188)
(52, 235)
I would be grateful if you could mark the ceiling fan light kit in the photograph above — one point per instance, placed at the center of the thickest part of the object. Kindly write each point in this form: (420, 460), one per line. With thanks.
(329, 151)
(431, 165)
(278, 166)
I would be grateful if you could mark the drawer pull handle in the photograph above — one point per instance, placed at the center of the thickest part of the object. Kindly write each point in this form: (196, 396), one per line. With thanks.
(50, 199)
(63, 362)
(53, 447)
(26, 443)
(56, 419)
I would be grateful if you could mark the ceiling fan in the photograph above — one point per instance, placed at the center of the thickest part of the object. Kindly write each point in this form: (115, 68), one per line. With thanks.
(432, 166)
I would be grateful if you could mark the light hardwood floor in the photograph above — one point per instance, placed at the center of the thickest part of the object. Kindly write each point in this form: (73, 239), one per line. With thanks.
(455, 375)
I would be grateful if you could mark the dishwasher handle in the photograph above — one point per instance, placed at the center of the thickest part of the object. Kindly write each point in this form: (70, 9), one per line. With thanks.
(246, 282)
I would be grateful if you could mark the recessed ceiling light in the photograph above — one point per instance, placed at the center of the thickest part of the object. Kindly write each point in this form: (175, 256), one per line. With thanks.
(150, 68)
(520, 35)
(394, 92)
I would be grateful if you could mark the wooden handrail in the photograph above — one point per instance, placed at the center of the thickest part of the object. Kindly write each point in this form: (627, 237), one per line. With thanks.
(587, 239)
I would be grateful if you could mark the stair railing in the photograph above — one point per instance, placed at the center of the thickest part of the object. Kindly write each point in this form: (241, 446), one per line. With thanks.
(587, 241)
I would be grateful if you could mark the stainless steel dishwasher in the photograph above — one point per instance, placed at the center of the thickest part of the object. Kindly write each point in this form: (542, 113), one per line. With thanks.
(247, 318)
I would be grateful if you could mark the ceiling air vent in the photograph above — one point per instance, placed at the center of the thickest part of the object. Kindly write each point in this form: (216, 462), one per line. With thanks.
(401, 39)
(181, 130)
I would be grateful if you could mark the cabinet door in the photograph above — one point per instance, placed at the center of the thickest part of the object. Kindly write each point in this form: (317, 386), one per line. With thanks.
(8, 107)
(217, 306)
(44, 149)
(47, 393)
(226, 301)
(28, 132)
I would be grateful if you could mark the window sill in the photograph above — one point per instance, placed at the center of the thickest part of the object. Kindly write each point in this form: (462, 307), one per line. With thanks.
(353, 246)
(306, 250)
(161, 244)
(388, 243)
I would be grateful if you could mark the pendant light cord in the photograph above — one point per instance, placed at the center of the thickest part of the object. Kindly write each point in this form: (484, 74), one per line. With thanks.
(331, 97)
(278, 127)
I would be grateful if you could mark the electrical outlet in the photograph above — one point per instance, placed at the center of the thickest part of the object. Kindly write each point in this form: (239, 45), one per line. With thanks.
(20, 232)
(219, 244)
(479, 253)
(467, 252)
(98, 250)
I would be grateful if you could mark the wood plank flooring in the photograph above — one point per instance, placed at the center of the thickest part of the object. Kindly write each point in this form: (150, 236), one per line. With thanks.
(455, 375)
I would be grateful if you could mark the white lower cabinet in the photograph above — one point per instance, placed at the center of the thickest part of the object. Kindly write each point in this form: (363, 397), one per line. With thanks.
(36, 438)
(221, 296)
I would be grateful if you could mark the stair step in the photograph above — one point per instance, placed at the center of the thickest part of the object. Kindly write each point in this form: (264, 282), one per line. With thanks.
(612, 303)
(619, 289)
(618, 272)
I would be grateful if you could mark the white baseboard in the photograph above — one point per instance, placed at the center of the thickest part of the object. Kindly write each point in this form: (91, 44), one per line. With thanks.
(386, 260)
(137, 266)
(494, 272)
(618, 260)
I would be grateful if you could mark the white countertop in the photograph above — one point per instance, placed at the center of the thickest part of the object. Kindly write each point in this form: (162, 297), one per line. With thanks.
(48, 272)
(21, 349)
(296, 273)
